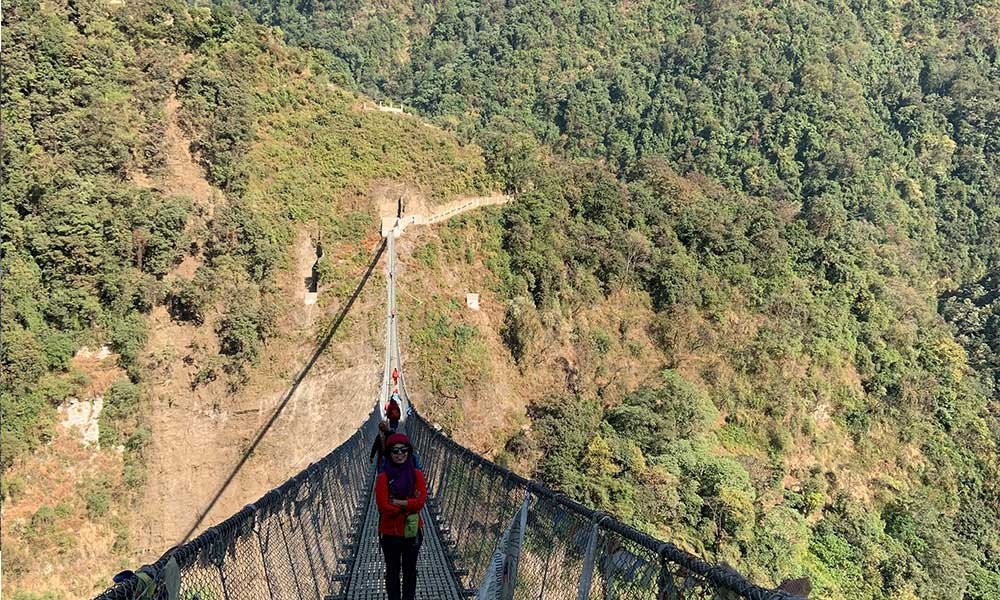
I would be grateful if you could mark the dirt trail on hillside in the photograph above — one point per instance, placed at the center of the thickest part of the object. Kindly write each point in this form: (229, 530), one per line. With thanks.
(457, 207)
(416, 210)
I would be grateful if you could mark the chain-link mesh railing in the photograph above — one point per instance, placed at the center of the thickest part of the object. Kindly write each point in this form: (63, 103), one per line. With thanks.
(297, 541)
(568, 551)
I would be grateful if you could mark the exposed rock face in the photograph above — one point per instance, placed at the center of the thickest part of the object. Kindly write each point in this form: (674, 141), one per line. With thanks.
(84, 416)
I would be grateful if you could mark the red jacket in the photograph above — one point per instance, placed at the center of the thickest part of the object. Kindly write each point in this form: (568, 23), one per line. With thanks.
(392, 519)
(392, 410)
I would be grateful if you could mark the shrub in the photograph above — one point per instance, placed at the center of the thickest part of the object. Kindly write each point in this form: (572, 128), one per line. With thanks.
(128, 337)
(11, 487)
(239, 231)
(157, 229)
(139, 439)
(97, 499)
(134, 472)
(59, 348)
(248, 321)
(518, 445)
(238, 334)
(121, 402)
(27, 421)
(208, 373)
(187, 300)
(24, 358)
(521, 327)
(601, 341)
(42, 524)
(781, 541)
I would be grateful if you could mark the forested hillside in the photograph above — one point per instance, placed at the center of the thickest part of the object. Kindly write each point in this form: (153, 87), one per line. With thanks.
(196, 294)
(789, 212)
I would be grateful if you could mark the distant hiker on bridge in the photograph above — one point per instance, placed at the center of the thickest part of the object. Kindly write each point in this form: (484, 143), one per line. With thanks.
(400, 493)
(395, 376)
(378, 446)
(392, 411)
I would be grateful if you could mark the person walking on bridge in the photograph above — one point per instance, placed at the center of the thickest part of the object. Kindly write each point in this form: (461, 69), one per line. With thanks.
(378, 446)
(400, 494)
(392, 411)
(395, 376)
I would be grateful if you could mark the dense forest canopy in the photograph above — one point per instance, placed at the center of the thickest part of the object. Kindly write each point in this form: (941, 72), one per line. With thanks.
(809, 194)
(885, 113)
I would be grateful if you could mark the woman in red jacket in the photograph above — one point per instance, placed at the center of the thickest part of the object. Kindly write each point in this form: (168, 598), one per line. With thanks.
(400, 492)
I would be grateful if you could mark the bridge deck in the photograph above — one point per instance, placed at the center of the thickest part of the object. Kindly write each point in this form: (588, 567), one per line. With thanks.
(434, 579)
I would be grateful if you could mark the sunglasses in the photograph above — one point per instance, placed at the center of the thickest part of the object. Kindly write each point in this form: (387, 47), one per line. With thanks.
(400, 450)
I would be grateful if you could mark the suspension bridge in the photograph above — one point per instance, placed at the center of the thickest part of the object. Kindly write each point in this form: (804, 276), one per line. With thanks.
(488, 533)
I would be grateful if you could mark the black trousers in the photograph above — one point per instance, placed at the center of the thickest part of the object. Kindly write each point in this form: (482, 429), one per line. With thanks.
(401, 554)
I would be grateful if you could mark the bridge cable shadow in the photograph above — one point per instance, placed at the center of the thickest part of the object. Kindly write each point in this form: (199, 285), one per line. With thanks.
(291, 391)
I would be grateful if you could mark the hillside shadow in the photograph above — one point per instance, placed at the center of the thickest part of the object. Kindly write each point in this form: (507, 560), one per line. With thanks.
(291, 390)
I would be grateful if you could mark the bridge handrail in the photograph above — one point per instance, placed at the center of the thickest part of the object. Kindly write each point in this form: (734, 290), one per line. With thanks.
(684, 568)
(343, 473)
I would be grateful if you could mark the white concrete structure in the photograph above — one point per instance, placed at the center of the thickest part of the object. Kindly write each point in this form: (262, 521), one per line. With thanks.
(390, 108)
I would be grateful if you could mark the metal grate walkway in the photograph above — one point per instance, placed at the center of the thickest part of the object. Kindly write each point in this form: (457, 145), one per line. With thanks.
(434, 578)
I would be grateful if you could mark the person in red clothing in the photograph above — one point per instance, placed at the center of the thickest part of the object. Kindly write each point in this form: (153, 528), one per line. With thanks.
(400, 493)
(395, 376)
(392, 411)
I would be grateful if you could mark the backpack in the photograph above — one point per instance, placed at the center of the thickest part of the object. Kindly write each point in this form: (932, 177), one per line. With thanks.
(392, 411)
